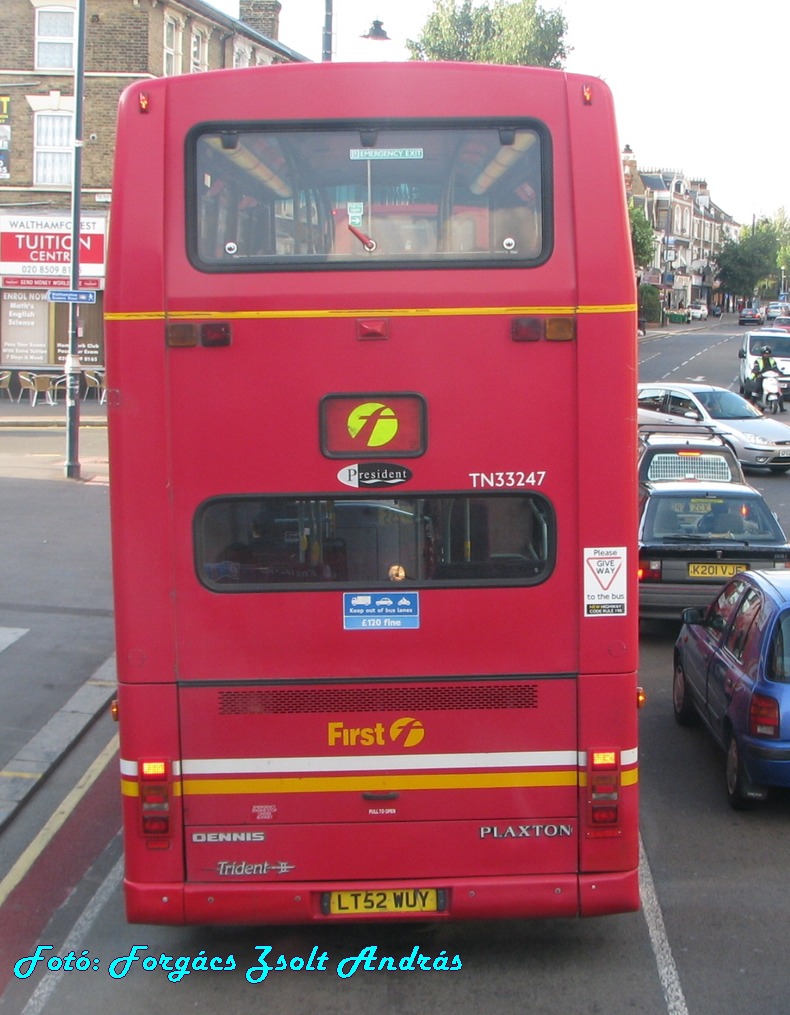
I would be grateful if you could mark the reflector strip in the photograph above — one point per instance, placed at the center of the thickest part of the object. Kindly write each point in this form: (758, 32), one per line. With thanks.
(377, 762)
(346, 763)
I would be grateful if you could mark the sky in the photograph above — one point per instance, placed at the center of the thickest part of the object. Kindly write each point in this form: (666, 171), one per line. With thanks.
(698, 88)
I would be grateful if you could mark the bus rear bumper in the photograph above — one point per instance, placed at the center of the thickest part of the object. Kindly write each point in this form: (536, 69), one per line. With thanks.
(246, 903)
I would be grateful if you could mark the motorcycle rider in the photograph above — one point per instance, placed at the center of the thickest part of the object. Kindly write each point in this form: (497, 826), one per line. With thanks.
(765, 363)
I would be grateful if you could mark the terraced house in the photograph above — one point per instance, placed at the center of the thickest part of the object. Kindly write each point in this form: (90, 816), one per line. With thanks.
(124, 41)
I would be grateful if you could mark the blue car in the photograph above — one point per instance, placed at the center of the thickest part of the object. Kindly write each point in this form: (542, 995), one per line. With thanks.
(732, 671)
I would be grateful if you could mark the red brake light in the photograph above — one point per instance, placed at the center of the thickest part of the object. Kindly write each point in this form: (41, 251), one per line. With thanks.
(764, 716)
(649, 571)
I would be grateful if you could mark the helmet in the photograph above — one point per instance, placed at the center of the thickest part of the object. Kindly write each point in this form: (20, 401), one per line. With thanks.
(766, 350)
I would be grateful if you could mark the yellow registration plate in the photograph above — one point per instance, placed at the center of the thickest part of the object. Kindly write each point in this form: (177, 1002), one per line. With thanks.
(405, 900)
(710, 570)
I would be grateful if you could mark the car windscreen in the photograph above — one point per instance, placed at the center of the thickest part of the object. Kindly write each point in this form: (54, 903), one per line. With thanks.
(778, 344)
(687, 516)
(722, 404)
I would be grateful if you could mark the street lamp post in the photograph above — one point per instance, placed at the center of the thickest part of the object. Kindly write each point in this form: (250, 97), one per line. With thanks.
(72, 359)
(326, 52)
(375, 32)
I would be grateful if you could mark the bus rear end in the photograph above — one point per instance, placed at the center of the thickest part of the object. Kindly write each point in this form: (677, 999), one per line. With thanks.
(371, 360)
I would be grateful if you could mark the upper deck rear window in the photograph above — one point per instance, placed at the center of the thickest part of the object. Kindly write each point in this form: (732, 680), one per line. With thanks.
(373, 196)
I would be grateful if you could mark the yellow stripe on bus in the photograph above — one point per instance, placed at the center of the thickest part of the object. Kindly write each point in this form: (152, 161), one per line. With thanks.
(275, 315)
(333, 784)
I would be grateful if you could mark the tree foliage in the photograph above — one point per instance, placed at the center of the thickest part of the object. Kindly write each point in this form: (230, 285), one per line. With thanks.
(515, 32)
(643, 239)
(745, 263)
(782, 226)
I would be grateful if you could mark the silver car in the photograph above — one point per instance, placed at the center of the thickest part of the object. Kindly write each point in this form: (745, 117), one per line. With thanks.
(755, 439)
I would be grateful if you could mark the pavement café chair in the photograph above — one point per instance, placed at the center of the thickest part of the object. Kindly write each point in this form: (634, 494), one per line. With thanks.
(5, 383)
(43, 384)
(27, 383)
(94, 382)
(59, 384)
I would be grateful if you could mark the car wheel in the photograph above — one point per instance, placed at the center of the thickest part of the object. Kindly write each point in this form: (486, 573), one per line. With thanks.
(682, 706)
(741, 791)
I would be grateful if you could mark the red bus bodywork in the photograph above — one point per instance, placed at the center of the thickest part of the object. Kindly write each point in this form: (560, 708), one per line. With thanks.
(277, 765)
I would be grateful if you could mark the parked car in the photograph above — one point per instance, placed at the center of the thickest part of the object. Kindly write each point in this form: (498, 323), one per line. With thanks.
(698, 311)
(667, 453)
(732, 670)
(750, 315)
(715, 310)
(781, 323)
(755, 439)
(694, 536)
(752, 345)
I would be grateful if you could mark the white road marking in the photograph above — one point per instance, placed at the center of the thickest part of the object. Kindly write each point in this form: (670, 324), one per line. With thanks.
(8, 635)
(665, 963)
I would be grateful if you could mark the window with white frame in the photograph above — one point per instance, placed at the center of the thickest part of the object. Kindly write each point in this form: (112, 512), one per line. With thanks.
(199, 60)
(54, 149)
(172, 56)
(54, 38)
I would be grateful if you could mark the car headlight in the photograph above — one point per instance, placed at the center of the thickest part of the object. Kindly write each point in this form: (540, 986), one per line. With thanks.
(754, 438)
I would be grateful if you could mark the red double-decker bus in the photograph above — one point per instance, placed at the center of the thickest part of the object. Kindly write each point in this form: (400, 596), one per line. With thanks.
(371, 364)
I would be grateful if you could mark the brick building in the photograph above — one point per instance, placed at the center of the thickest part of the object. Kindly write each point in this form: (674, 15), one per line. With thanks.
(125, 40)
(690, 230)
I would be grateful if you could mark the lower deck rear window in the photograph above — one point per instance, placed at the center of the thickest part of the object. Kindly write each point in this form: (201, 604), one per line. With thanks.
(273, 543)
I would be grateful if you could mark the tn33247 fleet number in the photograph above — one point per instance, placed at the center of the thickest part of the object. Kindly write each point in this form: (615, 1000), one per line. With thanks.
(507, 480)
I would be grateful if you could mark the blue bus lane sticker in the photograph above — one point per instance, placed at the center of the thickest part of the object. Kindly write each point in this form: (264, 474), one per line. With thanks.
(381, 611)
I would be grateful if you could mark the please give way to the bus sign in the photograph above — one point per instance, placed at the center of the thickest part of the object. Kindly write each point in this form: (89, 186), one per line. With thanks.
(605, 573)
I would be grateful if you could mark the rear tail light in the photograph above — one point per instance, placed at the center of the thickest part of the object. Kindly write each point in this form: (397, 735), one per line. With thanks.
(154, 796)
(764, 717)
(649, 571)
(603, 794)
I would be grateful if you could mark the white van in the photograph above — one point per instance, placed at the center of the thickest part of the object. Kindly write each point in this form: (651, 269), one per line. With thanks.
(778, 341)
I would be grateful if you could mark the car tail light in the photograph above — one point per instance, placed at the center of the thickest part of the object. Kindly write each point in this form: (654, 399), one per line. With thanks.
(764, 716)
(649, 571)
